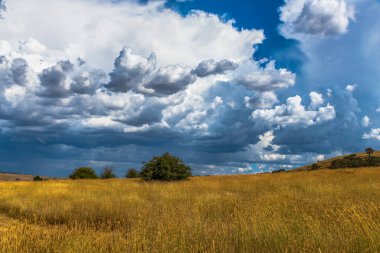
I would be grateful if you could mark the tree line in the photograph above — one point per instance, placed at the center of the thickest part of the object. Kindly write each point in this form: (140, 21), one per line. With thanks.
(163, 168)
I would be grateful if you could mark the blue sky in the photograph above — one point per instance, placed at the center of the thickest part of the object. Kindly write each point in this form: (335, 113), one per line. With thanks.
(230, 86)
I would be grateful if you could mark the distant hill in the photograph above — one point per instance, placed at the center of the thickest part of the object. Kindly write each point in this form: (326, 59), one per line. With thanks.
(8, 176)
(327, 163)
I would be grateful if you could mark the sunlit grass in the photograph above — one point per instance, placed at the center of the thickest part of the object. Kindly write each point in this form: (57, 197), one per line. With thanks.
(327, 211)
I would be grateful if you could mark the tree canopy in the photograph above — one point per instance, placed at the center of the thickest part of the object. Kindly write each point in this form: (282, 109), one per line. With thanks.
(165, 168)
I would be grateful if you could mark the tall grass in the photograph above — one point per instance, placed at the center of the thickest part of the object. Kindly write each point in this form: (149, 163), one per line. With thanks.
(321, 211)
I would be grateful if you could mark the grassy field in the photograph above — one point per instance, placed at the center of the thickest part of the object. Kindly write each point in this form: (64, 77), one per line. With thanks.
(319, 211)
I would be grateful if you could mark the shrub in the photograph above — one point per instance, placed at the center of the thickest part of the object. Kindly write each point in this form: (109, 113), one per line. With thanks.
(83, 173)
(107, 173)
(132, 173)
(279, 171)
(315, 166)
(165, 168)
(37, 178)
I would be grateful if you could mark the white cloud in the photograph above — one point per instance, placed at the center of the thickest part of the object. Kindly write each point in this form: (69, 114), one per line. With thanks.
(315, 17)
(366, 121)
(262, 100)
(329, 92)
(351, 87)
(97, 30)
(316, 100)
(293, 113)
(373, 134)
(218, 101)
(265, 141)
(102, 122)
(14, 94)
(267, 79)
(31, 46)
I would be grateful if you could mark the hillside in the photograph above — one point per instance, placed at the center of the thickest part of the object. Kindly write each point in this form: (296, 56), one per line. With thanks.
(327, 163)
(9, 177)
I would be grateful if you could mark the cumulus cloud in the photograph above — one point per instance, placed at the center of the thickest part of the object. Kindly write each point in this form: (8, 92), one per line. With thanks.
(329, 66)
(54, 80)
(373, 134)
(133, 72)
(130, 70)
(267, 79)
(316, 100)
(264, 100)
(19, 71)
(170, 80)
(293, 113)
(315, 17)
(71, 88)
(366, 121)
(211, 67)
(64, 79)
(351, 87)
(146, 28)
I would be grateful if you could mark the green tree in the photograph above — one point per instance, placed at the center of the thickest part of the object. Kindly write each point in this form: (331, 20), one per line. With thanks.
(165, 168)
(37, 178)
(132, 173)
(83, 173)
(369, 152)
(107, 173)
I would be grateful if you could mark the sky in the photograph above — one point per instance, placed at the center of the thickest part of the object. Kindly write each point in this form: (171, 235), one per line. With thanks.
(229, 86)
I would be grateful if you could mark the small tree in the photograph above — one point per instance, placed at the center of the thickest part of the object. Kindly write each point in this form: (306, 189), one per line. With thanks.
(132, 173)
(165, 168)
(83, 173)
(107, 173)
(369, 152)
(37, 178)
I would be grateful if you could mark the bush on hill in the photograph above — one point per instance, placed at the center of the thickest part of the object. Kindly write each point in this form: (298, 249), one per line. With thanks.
(279, 171)
(165, 168)
(315, 166)
(83, 173)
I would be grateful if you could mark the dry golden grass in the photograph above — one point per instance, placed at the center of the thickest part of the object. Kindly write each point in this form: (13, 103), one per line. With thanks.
(4, 176)
(321, 211)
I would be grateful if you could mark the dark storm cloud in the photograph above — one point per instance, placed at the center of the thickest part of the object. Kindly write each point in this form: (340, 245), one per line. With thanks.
(19, 71)
(54, 79)
(211, 67)
(130, 70)
(170, 80)
(65, 79)
(136, 73)
(87, 82)
(149, 113)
